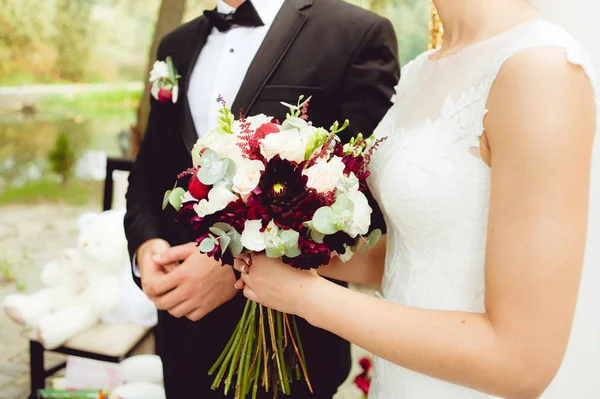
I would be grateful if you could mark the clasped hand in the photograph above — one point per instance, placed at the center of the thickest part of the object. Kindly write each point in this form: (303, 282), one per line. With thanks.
(183, 281)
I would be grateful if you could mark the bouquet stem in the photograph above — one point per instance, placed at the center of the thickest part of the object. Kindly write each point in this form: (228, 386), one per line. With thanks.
(258, 347)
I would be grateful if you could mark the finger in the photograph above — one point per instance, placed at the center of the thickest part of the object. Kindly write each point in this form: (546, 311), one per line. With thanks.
(170, 300)
(239, 285)
(166, 283)
(182, 309)
(241, 266)
(175, 254)
(248, 293)
(196, 315)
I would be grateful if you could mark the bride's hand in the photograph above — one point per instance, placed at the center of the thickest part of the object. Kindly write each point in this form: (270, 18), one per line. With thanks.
(274, 284)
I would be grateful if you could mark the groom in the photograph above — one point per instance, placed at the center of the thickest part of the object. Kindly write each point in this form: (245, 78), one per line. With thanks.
(254, 54)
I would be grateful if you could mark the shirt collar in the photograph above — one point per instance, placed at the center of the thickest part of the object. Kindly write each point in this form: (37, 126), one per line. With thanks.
(266, 9)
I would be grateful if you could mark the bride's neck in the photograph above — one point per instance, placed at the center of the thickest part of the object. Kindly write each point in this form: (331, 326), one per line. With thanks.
(469, 21)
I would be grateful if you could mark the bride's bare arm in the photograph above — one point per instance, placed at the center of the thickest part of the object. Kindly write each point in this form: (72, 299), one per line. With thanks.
(364, 267)
(540, 130)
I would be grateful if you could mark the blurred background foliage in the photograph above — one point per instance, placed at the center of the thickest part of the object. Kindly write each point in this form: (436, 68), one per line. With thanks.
(52, 41)
(73, 74)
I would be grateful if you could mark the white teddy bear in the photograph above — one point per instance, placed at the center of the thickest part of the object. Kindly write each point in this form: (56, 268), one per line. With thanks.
(84, 285)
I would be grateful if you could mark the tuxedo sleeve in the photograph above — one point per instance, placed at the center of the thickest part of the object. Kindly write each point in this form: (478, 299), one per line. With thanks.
(368, 89)
(144, 194)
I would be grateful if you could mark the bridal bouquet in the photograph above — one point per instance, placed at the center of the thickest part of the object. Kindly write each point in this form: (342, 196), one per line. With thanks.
(289, 189)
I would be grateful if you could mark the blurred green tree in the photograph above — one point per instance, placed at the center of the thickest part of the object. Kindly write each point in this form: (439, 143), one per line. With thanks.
(72, 21)
(62, 158)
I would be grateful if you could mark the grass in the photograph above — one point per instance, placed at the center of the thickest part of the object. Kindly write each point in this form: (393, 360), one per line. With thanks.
(79, 193)
(8, 270)
(94, 105)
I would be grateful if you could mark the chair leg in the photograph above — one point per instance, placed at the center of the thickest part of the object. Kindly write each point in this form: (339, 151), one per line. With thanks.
(37, 372)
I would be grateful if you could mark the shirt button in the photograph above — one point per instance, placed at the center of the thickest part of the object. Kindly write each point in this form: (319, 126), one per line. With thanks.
(231, 50)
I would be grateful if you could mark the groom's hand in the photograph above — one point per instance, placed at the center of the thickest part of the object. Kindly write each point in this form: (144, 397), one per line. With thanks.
(150, 271)
(196, 287)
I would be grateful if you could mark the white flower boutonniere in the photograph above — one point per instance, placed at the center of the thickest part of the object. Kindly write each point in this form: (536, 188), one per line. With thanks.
(164, 81)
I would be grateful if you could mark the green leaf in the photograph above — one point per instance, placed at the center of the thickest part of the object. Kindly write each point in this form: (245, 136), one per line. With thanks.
(343, 203)
(166, 199)
(223, 226)
(373, 239)
(275, 252)
(217, 231)
(172, 72)
(206, 245)
(293, 252)
(316, 236)
(235, 246)
(322, 221)
(289, 238)
(230, 172)
(213, 239)
(176, 198)
(224, 241)
(354, 248)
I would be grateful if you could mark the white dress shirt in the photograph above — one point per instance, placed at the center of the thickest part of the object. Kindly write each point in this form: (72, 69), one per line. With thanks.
(221, 67)
(223, 63)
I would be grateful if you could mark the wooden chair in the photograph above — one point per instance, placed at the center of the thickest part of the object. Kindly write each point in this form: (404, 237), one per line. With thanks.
(108, 343)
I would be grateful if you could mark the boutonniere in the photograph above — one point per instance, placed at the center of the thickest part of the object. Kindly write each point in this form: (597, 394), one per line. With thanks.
(164, 81)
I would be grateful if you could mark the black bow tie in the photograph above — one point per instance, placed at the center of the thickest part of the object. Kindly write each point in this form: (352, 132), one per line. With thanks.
(244, 15)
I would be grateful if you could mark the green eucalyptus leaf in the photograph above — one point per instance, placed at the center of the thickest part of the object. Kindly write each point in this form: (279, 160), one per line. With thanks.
(223, 226)
(176, 198)
(354, 248)
(373, 238)
(206, 245)
(293, 252)
(230, 171)
(213, 239)
(166, 199)
(224, 241)
(322, 221)
(235, 246)
(316, 236)
(217, 231)
(289, 238)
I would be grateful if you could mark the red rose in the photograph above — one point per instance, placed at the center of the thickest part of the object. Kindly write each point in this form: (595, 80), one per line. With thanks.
(365, 363)
(164, 95)
(197, 188)
(363, 383)
(265, 129)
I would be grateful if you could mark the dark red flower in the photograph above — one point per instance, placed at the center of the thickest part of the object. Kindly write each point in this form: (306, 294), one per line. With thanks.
(366, 364)
(363, 383)
(164, 95)
(197, 188)
(313, 255)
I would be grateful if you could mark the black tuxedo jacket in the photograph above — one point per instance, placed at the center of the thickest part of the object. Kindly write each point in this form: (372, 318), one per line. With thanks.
(342, 56)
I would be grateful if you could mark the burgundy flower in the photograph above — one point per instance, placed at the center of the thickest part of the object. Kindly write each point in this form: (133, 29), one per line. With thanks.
(165, 95)
(313, 256)
(363, 383)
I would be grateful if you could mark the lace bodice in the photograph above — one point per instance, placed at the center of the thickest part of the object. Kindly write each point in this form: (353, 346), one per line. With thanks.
(434, 188)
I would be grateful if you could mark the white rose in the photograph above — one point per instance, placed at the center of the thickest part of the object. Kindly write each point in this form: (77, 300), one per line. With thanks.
(226, 145)
(257, 121)
(196, 155)
(287, 144)
(361, 217)
(324, 176)
(218, 198)
(247, 176)
(252, 238)
(159, 70)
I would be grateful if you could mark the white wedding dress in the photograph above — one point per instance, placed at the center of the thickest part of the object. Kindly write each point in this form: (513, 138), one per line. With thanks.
(434, 190)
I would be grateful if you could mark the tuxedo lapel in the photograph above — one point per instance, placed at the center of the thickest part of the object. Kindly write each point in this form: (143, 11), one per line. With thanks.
(192, 51)
(280, 37)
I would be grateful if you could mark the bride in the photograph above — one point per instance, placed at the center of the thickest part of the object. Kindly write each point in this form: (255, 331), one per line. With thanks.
(484, 182)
